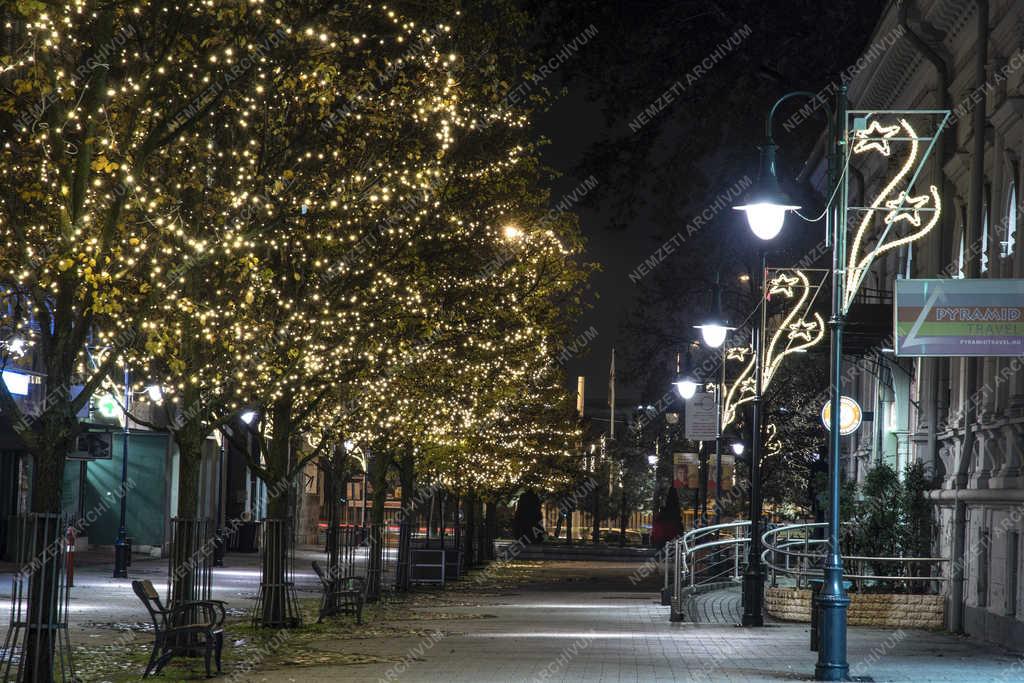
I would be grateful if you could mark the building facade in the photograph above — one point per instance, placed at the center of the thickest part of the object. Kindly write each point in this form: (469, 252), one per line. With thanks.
(963, 418)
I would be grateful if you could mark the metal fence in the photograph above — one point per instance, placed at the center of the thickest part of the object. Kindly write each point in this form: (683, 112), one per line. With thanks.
(36, 647)
(277, 604)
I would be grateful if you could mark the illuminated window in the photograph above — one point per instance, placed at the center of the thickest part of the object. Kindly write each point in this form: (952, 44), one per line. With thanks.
(1006, 246)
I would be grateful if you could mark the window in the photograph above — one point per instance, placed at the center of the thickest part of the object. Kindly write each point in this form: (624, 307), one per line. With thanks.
(1006, 246)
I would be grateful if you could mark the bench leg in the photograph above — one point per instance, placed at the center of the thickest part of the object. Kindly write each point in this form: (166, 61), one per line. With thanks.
(219, 644)
(152, 659)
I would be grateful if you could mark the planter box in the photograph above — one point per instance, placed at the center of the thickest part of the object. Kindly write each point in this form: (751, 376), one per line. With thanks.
(884, 610)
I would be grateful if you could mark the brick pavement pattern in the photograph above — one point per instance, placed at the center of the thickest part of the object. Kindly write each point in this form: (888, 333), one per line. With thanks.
(604, 630)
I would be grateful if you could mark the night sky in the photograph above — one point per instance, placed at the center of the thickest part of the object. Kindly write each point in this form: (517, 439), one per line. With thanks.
(653, 180)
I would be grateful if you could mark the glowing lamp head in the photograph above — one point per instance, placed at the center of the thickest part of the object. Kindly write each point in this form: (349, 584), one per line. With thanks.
(765, 219)
(738, 448)
(767, 205)
(349, 445)
(248, 417)
(652, 460)
(686, 387)
(713, 334)
(154, 392)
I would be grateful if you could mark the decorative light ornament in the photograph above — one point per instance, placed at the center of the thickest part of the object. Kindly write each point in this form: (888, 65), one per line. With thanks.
(903, 207)
(799, 330)
(738, 448)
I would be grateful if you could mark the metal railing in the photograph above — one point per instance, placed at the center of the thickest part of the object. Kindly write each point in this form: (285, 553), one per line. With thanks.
(702, 556)
(717, 554)
(792, 551)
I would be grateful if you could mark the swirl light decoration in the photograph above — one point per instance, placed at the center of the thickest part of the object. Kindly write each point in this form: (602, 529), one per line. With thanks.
(898, 205)
(799, 330)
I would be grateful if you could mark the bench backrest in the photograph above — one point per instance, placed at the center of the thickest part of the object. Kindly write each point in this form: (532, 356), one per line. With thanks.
(151, 599)
(319, 572)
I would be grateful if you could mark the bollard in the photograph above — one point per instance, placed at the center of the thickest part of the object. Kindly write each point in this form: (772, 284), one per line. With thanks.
(69, 540)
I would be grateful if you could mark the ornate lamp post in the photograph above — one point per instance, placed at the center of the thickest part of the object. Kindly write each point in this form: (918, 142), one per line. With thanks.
(766, 212)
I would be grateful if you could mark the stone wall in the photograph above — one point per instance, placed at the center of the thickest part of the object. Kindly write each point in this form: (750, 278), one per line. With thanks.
(891, 610)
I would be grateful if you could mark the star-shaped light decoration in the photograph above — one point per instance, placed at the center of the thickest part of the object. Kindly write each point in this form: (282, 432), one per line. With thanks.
(803, 329)
(865, 140)
(783, 284)
(906, 208)
(739, 353)
(747, 386)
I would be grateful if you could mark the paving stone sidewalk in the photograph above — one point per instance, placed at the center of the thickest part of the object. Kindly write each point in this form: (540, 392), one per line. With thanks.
(605, 630)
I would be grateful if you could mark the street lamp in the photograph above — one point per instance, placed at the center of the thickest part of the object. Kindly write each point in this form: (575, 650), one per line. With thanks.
(686, 383)
(766, 211)
(122, 552)
(715, 328)
(767, 205)
(738, 448)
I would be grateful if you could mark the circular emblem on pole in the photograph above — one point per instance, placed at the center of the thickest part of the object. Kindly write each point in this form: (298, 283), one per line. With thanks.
(850, 415)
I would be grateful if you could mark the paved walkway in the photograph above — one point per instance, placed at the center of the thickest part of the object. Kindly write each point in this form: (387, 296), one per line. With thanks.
(102, 606)
(598, 627)
(723, 607)
(576, 621)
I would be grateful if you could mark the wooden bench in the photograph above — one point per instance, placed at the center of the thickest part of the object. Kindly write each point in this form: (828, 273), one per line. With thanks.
(176, 628)
(342, 595)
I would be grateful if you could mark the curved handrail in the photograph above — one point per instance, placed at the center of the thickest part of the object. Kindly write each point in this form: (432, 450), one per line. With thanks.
(778, 541)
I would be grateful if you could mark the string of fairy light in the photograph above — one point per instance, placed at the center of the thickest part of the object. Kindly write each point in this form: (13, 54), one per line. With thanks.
(267, 207)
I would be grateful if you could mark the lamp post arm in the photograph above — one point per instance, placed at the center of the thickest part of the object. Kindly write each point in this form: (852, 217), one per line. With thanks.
(788, 96)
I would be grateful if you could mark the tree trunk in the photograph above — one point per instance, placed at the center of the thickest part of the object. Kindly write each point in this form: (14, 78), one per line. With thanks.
(183, 580)
(407, 517)
(623, 518)
(279, 537)
(568, 525)
(54, 442)
(375, 553)
(492, 529)
(469, 546)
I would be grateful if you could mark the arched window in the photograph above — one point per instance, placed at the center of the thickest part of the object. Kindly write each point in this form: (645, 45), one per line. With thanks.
(1006, 246)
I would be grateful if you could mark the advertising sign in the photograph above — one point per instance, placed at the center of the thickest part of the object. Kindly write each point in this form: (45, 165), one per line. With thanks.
(686, 467)
(702, 417)
(959, 317)
(728, 470)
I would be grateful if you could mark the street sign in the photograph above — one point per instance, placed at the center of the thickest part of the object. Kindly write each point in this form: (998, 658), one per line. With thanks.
(850, 416)
(959, 317)
(702, 417)
(93, 446)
